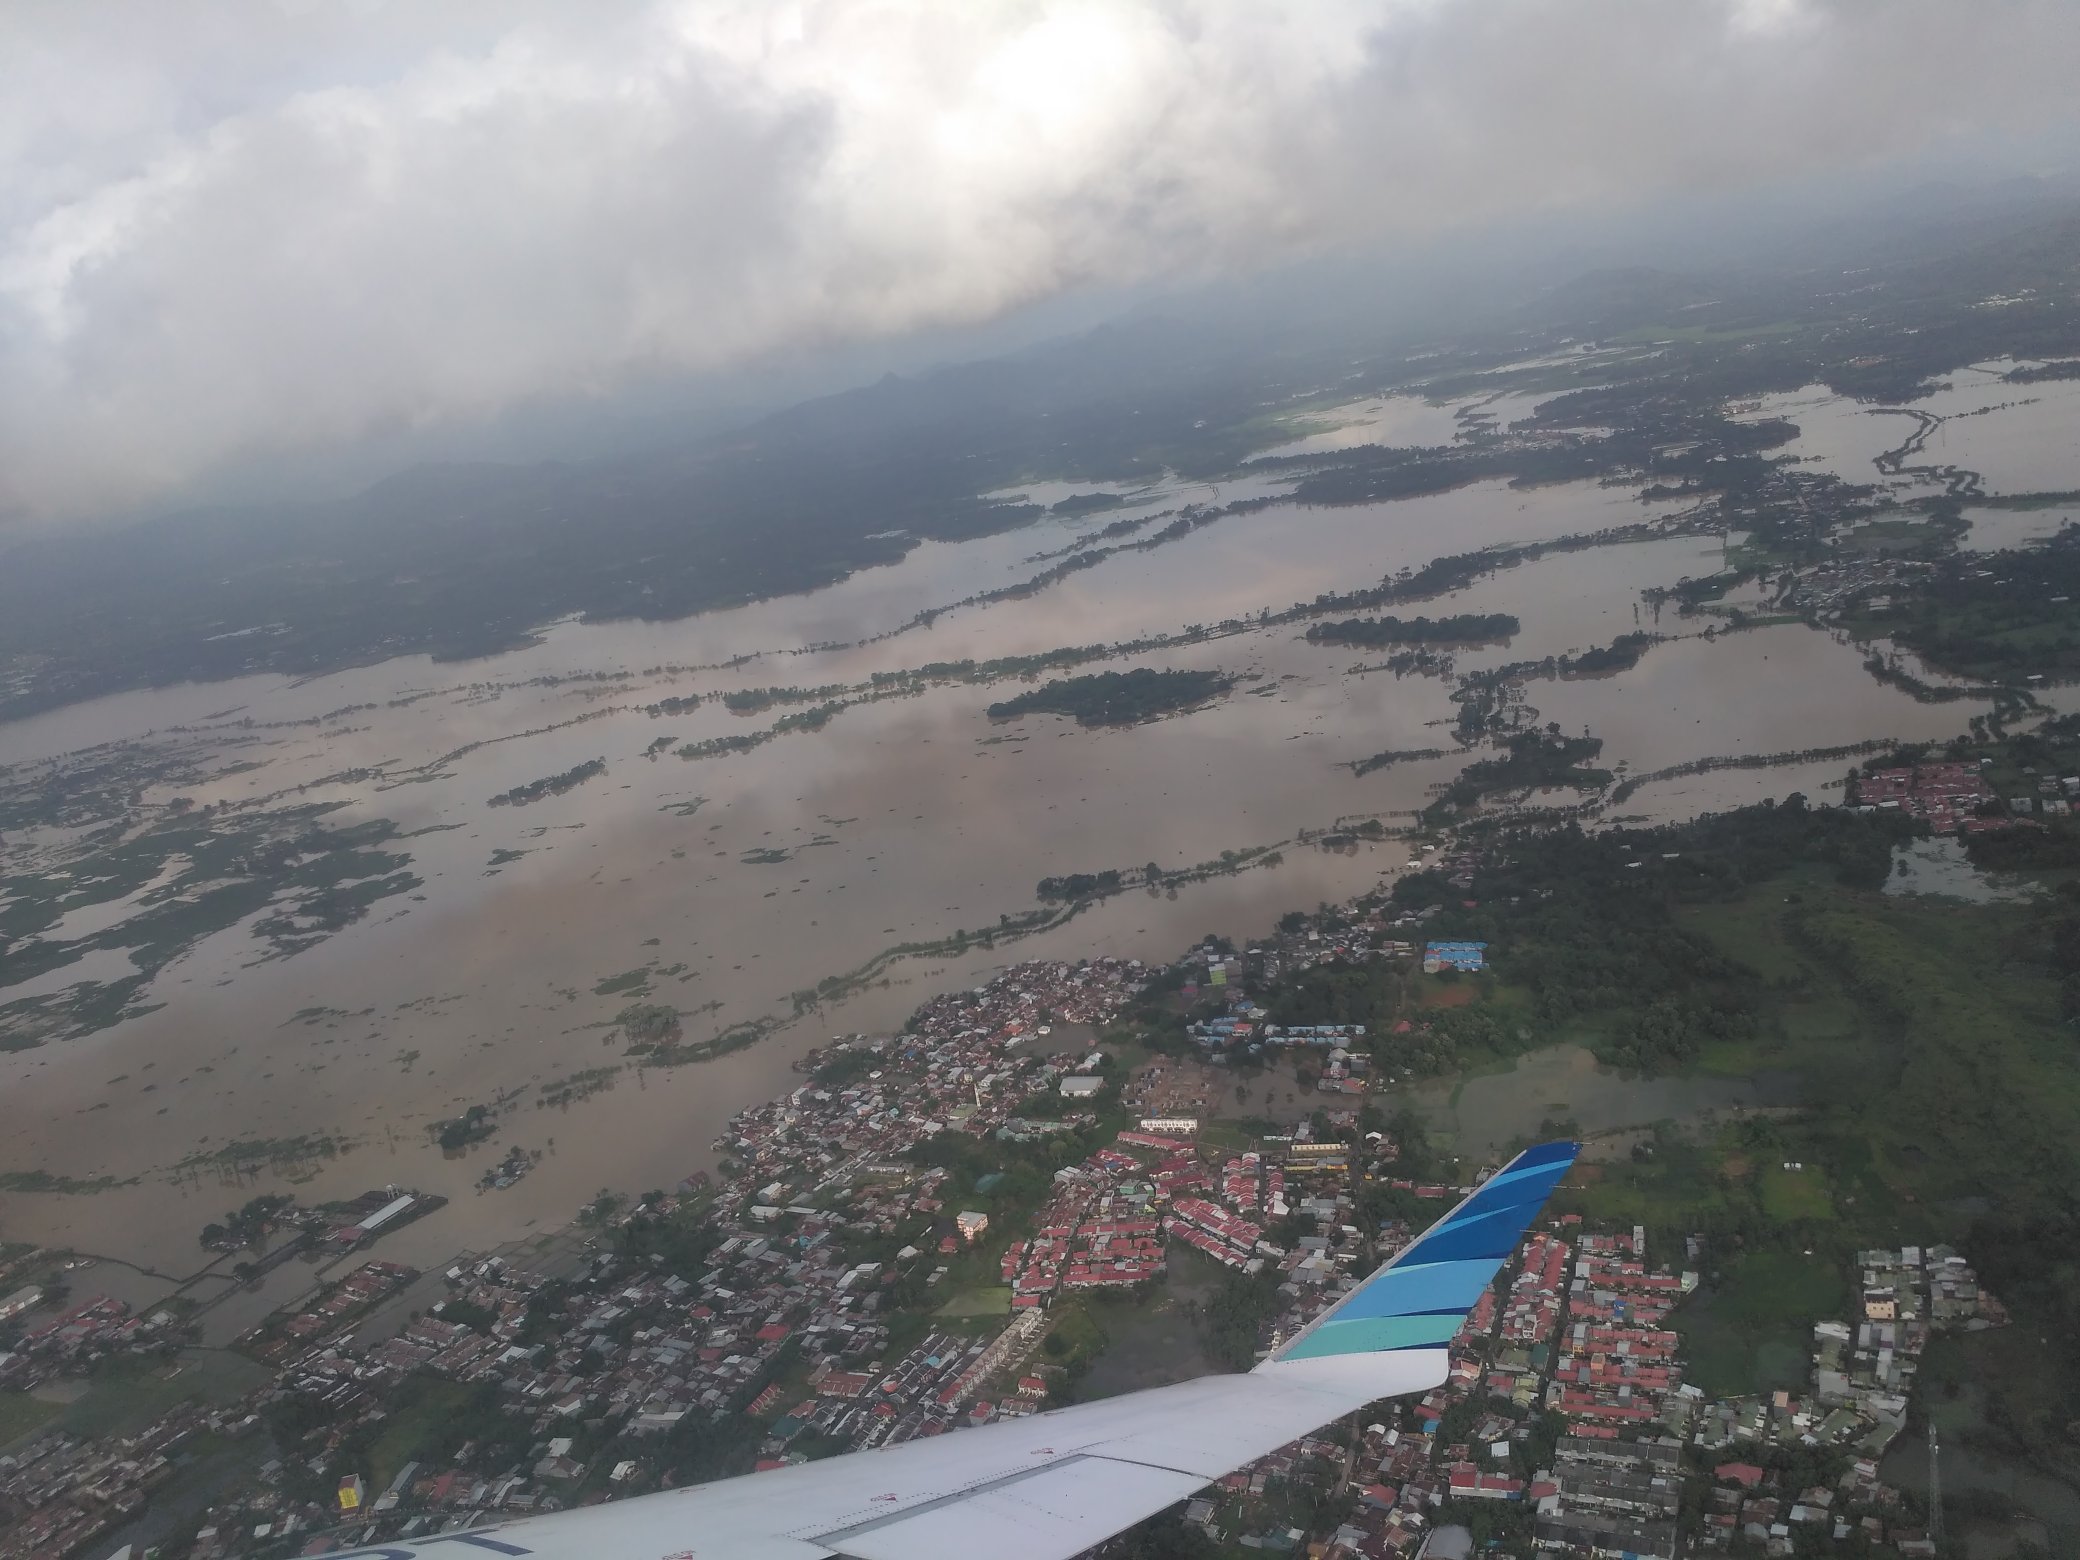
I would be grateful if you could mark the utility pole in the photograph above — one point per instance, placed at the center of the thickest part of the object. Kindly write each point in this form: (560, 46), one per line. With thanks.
(1935, 1489)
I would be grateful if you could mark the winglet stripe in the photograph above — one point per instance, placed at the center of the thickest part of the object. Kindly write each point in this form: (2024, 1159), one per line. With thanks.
(1418, 1299)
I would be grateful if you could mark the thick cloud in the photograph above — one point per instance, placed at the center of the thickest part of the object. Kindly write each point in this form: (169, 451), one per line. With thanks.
(228, 229)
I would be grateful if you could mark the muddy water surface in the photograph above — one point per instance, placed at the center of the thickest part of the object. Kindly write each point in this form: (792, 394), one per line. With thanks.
(731, 883)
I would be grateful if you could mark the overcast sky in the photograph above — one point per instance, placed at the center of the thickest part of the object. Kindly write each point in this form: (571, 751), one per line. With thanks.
(229, 230)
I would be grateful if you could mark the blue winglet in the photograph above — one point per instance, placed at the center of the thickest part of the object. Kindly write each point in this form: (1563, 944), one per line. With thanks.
(1418, 1300)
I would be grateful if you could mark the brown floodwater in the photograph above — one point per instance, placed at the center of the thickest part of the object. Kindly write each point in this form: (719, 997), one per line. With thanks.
(2021, 438)
(1994, 530)
(736, 881)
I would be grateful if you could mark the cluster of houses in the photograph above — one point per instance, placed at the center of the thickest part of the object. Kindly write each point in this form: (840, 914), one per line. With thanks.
(1110, 1218)
(641, 1350)
(1951, 796)
(615, 1345)
(60, 1492)
(279, 1337)
(1757, 1509)
(938, 1386)
(1252, 1186)
(1844, 581)
(1616, 1362)
(1207, 1227)
(1946, 796)
(1534, 1304)
(1610, 1496)
(1581, 1329)
(1099, 1231)
(75, 1337)
(2055, 796)
(1244, 1030)
(1862, 1367)
(965, 1064)
(808, 1252)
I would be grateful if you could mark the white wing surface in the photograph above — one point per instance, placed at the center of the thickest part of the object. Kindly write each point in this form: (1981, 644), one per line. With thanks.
(1052, 1485)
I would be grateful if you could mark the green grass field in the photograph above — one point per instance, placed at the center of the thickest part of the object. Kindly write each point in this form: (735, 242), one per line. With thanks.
(1911, 1053)
(1741, 1365)
(978, 1302)
(1082, 1340)
(1751, 1331)
(1999, 637)
(1934, 1073)
(1223, 1133)
(1895, 534)
(22, 1415)
(1930, 1051)
(1789, 1195)
(1734, 1058)
(415, 1427)
(1751, 928)
(906, 1330)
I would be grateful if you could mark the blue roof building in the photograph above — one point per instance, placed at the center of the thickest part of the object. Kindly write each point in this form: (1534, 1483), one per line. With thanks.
(1467, 956)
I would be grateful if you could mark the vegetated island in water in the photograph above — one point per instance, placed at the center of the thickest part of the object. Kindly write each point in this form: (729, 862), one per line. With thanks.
(2037, 373)
(1468, 628)
(1620, 655)
(551, 785)
(1362, 767)
(1117, 698)
(1530, 759)
(1998, 616)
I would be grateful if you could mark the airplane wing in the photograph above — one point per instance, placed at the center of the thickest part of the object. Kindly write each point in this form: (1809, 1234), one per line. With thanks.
(1051, 1485)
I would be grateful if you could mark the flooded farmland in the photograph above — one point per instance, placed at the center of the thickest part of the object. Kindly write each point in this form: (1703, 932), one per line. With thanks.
(729, 886)
(1494, 1112)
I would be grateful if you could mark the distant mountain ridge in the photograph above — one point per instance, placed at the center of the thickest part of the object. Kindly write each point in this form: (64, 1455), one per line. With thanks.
(465, 559)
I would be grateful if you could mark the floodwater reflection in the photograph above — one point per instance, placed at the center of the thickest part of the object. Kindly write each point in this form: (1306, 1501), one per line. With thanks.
(723, 886)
